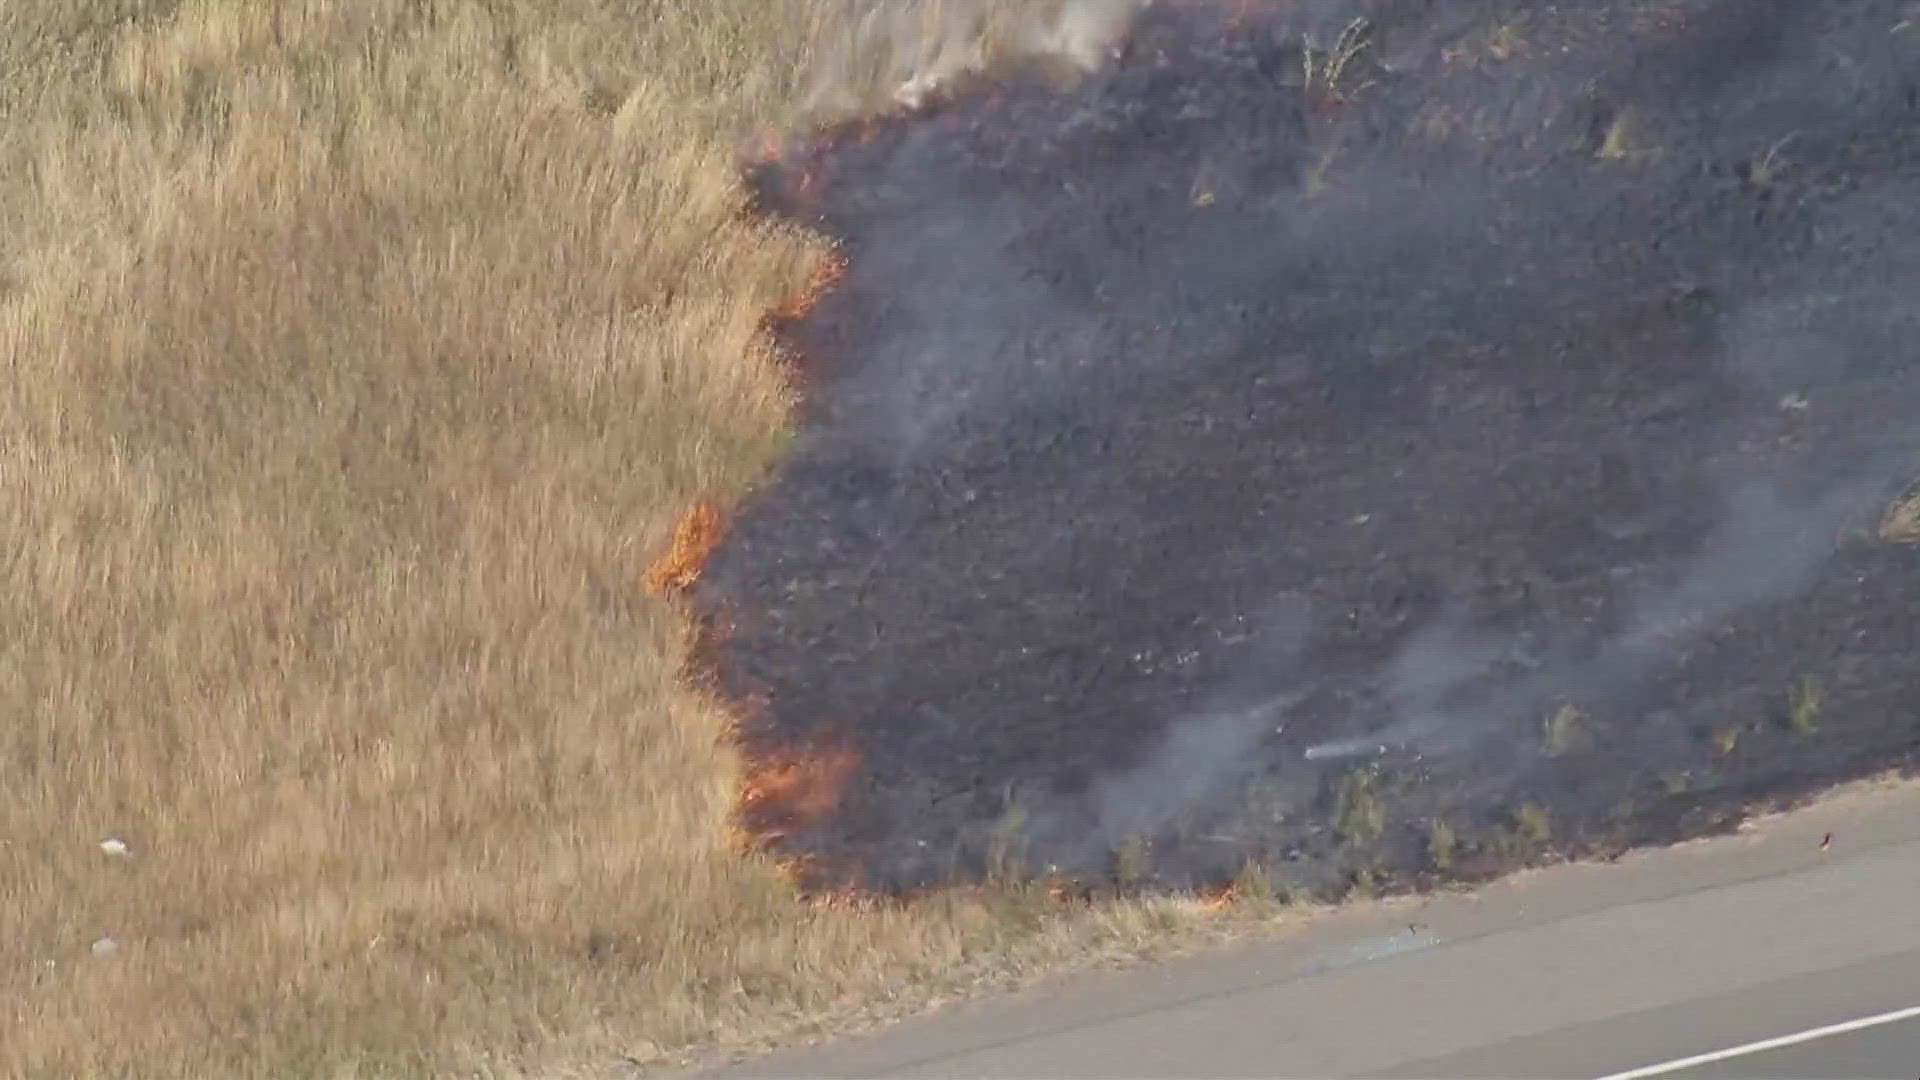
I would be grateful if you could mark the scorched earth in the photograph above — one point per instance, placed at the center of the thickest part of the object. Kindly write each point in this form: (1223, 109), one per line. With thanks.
(1377, 442)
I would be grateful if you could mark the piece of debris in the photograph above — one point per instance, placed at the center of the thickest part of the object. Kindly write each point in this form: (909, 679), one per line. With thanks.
(115, 847)
(1346, 748)
(1794, 402)
(1826, 842)
(106, 946)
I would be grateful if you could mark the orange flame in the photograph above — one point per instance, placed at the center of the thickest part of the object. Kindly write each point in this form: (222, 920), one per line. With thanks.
(808, 187)
(787, 791)
(694, 538)
(779, 791)
(827, 273)
(769, 146)
(1219, 898)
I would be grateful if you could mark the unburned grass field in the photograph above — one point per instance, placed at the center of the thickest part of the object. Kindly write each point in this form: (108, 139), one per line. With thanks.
(360, 356)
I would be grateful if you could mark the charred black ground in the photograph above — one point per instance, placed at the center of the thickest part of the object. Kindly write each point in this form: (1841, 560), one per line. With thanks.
(1218, 461)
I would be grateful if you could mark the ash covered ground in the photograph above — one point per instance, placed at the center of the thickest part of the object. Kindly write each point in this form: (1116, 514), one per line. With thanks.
(1242, 455)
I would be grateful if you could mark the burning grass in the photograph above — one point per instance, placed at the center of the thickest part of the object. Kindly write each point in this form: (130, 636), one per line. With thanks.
(793, 790)
(694, 538)
(354, 353)
(360, 354)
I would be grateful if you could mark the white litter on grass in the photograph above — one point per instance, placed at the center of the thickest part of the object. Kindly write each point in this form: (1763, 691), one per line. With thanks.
(106, 946)
(115, 847)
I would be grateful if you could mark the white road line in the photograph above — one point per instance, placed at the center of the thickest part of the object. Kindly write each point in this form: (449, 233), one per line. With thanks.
(1764, 1045)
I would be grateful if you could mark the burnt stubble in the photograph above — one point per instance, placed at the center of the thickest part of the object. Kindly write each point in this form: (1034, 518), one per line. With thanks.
(1495, 433)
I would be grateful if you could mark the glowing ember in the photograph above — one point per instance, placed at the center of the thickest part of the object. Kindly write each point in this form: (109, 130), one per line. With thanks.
(1064, 891)
(694, 539)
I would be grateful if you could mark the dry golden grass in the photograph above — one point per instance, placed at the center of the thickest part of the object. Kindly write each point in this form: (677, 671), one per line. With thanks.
(359, 356)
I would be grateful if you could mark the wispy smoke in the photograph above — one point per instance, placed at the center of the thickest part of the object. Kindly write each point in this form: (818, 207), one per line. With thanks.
(909, 50)
(1806, 337)
(1765, 546)
(1216, 748)
(1110, 368)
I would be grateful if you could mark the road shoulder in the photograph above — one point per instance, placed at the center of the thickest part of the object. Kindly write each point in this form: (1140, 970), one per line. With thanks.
(1393, 985)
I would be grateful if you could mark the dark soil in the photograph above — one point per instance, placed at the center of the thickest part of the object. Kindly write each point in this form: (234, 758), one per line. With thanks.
(1508, 425)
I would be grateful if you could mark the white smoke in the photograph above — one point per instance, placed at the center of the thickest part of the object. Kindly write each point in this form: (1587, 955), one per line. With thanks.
(907, 51)
(1086, 33)
(1207, 753)
(1765, 547)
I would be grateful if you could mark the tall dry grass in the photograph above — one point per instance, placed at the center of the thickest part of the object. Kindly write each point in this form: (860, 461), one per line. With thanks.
(358, 356)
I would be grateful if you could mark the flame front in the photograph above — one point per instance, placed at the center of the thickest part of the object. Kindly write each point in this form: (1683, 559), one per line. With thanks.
(694, 538)
(793, 790)
(827, 272)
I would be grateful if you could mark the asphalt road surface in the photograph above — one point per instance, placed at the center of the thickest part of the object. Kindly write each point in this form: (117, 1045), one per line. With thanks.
(1756, 956)
(1879, 1050)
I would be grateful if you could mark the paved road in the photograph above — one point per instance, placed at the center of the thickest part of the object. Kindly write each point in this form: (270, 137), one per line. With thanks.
(1892, 1051)
(1747, 945)
(1658, 1042)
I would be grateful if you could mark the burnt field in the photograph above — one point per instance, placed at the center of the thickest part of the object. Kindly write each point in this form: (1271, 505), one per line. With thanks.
(1395, 441)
